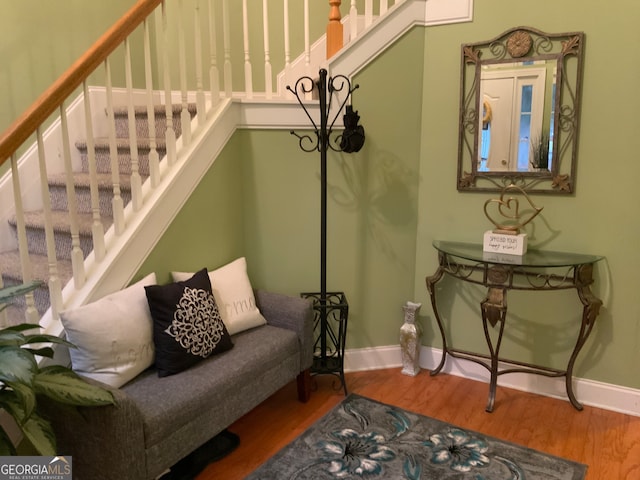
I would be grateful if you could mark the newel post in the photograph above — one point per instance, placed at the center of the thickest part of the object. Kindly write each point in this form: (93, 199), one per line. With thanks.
(334, 28)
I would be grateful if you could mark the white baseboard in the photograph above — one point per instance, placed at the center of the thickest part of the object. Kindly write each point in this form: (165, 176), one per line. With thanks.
(589, 392)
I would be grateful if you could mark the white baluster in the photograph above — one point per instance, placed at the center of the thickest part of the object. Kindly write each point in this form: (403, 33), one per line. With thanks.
(154, 157)
(185, 117)
(117, 204)
(353, 20)
(55, 288)
(226, 29)
(200, 104)
(384, 6)
(268, 80)
(31, 312)
(170, 132)
(248, 75)
(307, 48)
(77, 258)
(4, 321)
(287, 44)
(97, 230)
(214, 80)
(136, 179)
(368, 13)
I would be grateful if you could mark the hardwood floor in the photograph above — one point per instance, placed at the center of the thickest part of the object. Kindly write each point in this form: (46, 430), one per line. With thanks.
(608, 442)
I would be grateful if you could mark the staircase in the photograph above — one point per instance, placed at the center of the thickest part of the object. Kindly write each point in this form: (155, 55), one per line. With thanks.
(221, 110)
(34, 220)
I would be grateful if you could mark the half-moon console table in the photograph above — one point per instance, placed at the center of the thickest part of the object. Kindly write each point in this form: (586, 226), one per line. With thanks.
(536, 270)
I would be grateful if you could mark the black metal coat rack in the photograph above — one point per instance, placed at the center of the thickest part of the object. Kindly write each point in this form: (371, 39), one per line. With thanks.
(331, 307)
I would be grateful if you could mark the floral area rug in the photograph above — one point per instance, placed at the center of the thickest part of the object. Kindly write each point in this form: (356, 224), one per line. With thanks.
(363, 438)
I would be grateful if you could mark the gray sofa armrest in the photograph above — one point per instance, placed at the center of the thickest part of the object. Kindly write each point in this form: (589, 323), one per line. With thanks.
(116, 428)
(293, 313)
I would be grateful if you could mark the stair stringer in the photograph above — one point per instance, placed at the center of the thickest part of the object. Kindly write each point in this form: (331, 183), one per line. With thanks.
(126, 252)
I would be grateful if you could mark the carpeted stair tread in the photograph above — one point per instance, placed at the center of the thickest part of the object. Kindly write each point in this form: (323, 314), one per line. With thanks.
(83, 179)
(60, 219)
(12, 268)
(15, 315)
(158, 109)
(122, 143)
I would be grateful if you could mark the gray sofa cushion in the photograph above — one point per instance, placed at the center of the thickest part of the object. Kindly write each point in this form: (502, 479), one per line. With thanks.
(162, 402)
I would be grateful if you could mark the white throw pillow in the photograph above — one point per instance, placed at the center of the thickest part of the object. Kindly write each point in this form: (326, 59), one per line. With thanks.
(113, 336)
(234, 295)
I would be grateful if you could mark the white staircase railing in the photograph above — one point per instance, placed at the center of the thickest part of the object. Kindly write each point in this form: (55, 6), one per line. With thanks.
(167, 46)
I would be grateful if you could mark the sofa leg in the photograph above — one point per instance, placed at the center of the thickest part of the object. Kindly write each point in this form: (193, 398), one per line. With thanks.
(304, 385)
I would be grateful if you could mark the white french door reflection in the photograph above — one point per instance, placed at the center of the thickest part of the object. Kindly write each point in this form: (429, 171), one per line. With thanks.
(511, 114)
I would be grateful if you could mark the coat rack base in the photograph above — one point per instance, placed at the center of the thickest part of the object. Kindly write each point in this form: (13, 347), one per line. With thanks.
(330, 332)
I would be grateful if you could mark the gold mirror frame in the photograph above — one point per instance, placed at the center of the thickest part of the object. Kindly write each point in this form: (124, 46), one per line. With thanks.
(564, 53)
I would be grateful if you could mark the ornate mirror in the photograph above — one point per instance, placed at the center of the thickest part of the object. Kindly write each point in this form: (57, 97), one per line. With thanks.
(519, 112)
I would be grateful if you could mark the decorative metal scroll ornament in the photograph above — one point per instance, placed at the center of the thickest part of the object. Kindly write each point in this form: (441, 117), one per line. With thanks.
(519, 43)
(352, 137)
(508, 207)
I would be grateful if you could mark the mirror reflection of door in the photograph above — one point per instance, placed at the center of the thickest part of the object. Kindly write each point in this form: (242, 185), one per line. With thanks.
(516, 100)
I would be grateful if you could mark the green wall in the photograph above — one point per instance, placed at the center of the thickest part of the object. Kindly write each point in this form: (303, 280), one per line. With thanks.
(209, 230)
(40, 39)
(598, 219)
(389, 202)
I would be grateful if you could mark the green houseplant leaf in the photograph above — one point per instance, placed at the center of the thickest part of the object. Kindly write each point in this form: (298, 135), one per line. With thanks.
(65, 386)
(14, 291)
(22, 380)
(25, 395)
(17, 365)
(36, 429)
(41, 435)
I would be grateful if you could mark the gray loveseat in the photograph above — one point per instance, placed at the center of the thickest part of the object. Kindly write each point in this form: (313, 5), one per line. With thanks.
(158, 421)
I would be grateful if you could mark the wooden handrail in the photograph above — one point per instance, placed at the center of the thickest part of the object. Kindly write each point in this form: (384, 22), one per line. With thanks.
(62, 88)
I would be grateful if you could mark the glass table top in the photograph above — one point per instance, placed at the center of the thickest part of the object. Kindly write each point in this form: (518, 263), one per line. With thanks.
(533, 257)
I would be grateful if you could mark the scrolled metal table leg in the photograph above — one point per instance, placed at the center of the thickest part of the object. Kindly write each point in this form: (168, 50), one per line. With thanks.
(591, 309)
(494, 310)
(431, 282)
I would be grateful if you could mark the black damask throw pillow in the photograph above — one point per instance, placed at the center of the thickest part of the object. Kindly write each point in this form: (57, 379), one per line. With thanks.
(187, 326)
